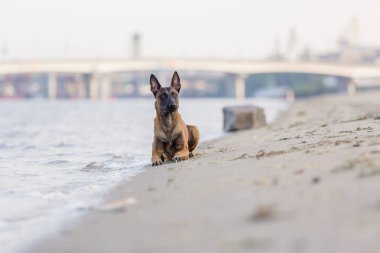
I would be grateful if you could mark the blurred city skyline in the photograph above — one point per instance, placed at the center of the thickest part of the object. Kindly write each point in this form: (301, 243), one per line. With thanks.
(239, 29)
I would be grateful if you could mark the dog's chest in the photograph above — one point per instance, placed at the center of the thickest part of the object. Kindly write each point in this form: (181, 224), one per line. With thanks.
(167, 131)
(167, 135)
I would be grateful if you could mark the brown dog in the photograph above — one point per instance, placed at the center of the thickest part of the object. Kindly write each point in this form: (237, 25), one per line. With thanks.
(173, 139)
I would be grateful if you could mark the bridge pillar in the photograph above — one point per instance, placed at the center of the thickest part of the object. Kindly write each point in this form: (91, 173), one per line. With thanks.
(93, 92)
(240, 82)
(105, 88)
(8, 87)
(351, 87)
(52, 86)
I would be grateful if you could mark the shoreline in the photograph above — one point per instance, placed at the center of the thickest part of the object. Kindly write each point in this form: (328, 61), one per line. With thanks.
(80, 203)
(282, 188)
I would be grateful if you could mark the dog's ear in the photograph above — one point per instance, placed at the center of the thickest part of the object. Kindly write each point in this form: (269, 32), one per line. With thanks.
(176, 83)
(155, 86)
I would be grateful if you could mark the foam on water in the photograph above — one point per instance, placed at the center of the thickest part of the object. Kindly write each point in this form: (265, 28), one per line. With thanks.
(58, 159)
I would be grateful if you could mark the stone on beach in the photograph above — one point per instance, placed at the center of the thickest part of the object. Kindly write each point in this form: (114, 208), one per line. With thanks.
(237, 118)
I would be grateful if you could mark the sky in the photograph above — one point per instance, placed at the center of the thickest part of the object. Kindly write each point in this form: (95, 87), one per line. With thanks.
(219, 29)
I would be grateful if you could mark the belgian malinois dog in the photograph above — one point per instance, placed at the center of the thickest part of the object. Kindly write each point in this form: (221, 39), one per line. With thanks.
(173, 139)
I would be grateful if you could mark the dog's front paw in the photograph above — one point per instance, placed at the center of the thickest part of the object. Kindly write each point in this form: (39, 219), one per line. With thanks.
(191, 154)
(156, 162)
(177, 159)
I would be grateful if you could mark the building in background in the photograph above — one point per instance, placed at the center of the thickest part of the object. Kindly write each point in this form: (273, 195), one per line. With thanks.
(350, 50)
(136, 46)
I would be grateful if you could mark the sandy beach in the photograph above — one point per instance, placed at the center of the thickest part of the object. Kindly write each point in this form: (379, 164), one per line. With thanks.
(310, 182)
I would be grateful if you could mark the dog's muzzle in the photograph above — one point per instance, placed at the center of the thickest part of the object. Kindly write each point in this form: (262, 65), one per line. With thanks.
(172, 107)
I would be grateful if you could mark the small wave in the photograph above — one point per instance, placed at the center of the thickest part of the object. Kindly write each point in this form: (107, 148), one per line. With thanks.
(57, 194)
(107, 155)
(30, 147)
(14, 134)
(58, 162)
(5, 146)
(118, 162)
(63, 144)
(103, 167)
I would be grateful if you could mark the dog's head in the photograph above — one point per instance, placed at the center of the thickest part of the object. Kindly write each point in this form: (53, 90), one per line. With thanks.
(166, 97)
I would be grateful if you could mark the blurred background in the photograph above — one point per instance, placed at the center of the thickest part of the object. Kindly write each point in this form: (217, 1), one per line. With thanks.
(76, 111)
(107, 49)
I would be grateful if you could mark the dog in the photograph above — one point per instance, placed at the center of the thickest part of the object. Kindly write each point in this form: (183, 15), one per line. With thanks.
(173, 139)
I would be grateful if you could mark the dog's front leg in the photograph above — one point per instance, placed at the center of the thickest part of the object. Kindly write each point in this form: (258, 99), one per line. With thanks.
(157, 152)
(182, 150)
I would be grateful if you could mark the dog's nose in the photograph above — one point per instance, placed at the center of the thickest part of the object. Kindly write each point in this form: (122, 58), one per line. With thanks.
(172, 107)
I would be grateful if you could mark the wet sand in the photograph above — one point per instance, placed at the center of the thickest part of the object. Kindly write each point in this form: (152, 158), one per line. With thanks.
(310, 182)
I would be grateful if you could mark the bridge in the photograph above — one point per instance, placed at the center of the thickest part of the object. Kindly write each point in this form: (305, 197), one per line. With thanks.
(98, 73)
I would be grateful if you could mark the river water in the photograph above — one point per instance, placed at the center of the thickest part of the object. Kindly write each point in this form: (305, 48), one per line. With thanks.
(58, 158)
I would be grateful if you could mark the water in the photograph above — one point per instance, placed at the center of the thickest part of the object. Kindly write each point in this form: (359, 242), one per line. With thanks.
(57, 159)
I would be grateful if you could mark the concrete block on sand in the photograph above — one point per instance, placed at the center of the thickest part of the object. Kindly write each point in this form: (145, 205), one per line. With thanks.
(237, 118)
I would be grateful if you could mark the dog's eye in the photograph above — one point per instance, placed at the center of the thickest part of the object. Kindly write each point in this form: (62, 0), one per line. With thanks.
(174, 95)
(164, 95)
